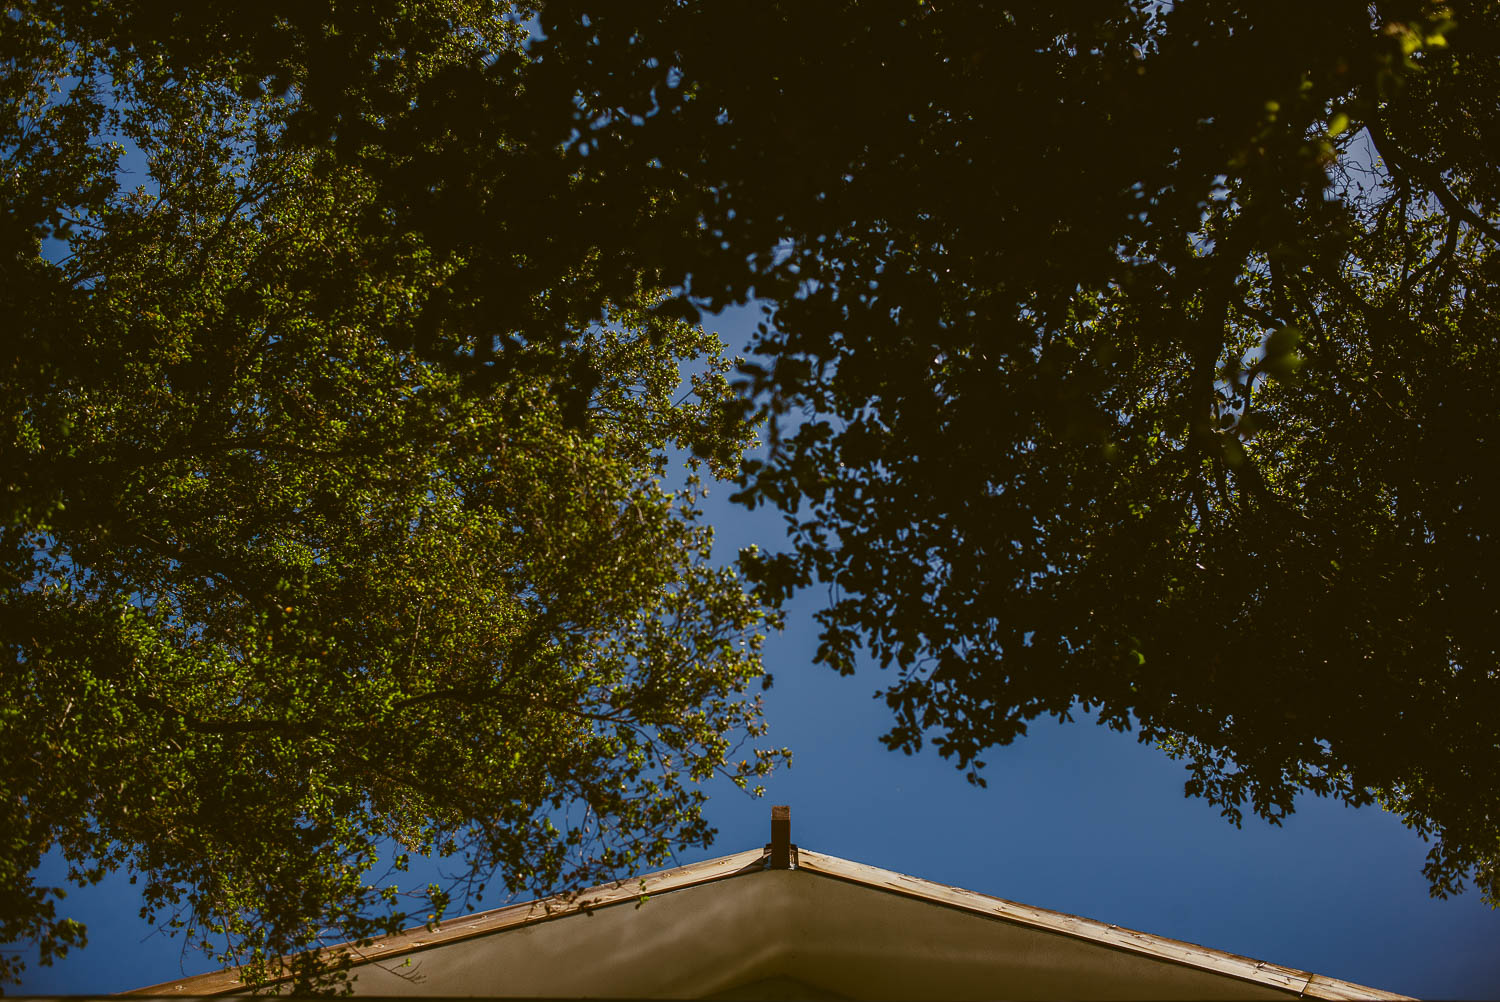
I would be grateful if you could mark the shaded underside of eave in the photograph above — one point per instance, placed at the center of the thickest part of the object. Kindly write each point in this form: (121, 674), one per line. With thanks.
(1282, 980)
(1302, 984)
(488, 923)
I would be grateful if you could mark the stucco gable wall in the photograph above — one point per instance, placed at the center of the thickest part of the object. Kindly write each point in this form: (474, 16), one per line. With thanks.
(830, 934)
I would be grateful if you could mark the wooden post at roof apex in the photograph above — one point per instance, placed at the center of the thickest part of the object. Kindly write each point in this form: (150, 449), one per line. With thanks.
(781, 837)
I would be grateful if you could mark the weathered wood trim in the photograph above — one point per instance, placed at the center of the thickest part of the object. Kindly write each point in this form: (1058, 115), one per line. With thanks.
(226, 982)
(1294, 982)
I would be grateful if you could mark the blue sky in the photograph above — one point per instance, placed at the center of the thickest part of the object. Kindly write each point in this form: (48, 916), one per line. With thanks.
(1085, 820)
(1076, 818)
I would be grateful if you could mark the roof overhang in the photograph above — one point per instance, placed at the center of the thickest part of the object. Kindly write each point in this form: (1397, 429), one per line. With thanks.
(734, 927)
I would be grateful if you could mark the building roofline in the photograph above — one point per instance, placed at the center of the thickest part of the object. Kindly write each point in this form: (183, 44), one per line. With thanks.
(1304, 984)
(483, 923)
(1294, 982)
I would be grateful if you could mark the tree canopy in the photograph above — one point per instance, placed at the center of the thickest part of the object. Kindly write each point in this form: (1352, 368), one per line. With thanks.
(1122, 357)
(1135, 355)
(285, 603)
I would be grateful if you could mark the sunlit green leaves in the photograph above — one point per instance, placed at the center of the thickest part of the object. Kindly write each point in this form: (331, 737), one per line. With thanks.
(1128, 356)
(287, 590)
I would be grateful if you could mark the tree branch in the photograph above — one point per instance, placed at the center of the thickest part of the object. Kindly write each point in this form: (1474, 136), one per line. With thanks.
(1430, 176)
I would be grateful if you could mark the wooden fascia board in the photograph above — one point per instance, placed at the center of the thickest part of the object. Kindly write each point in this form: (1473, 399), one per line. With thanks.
(227, 981)
(1294, 982)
